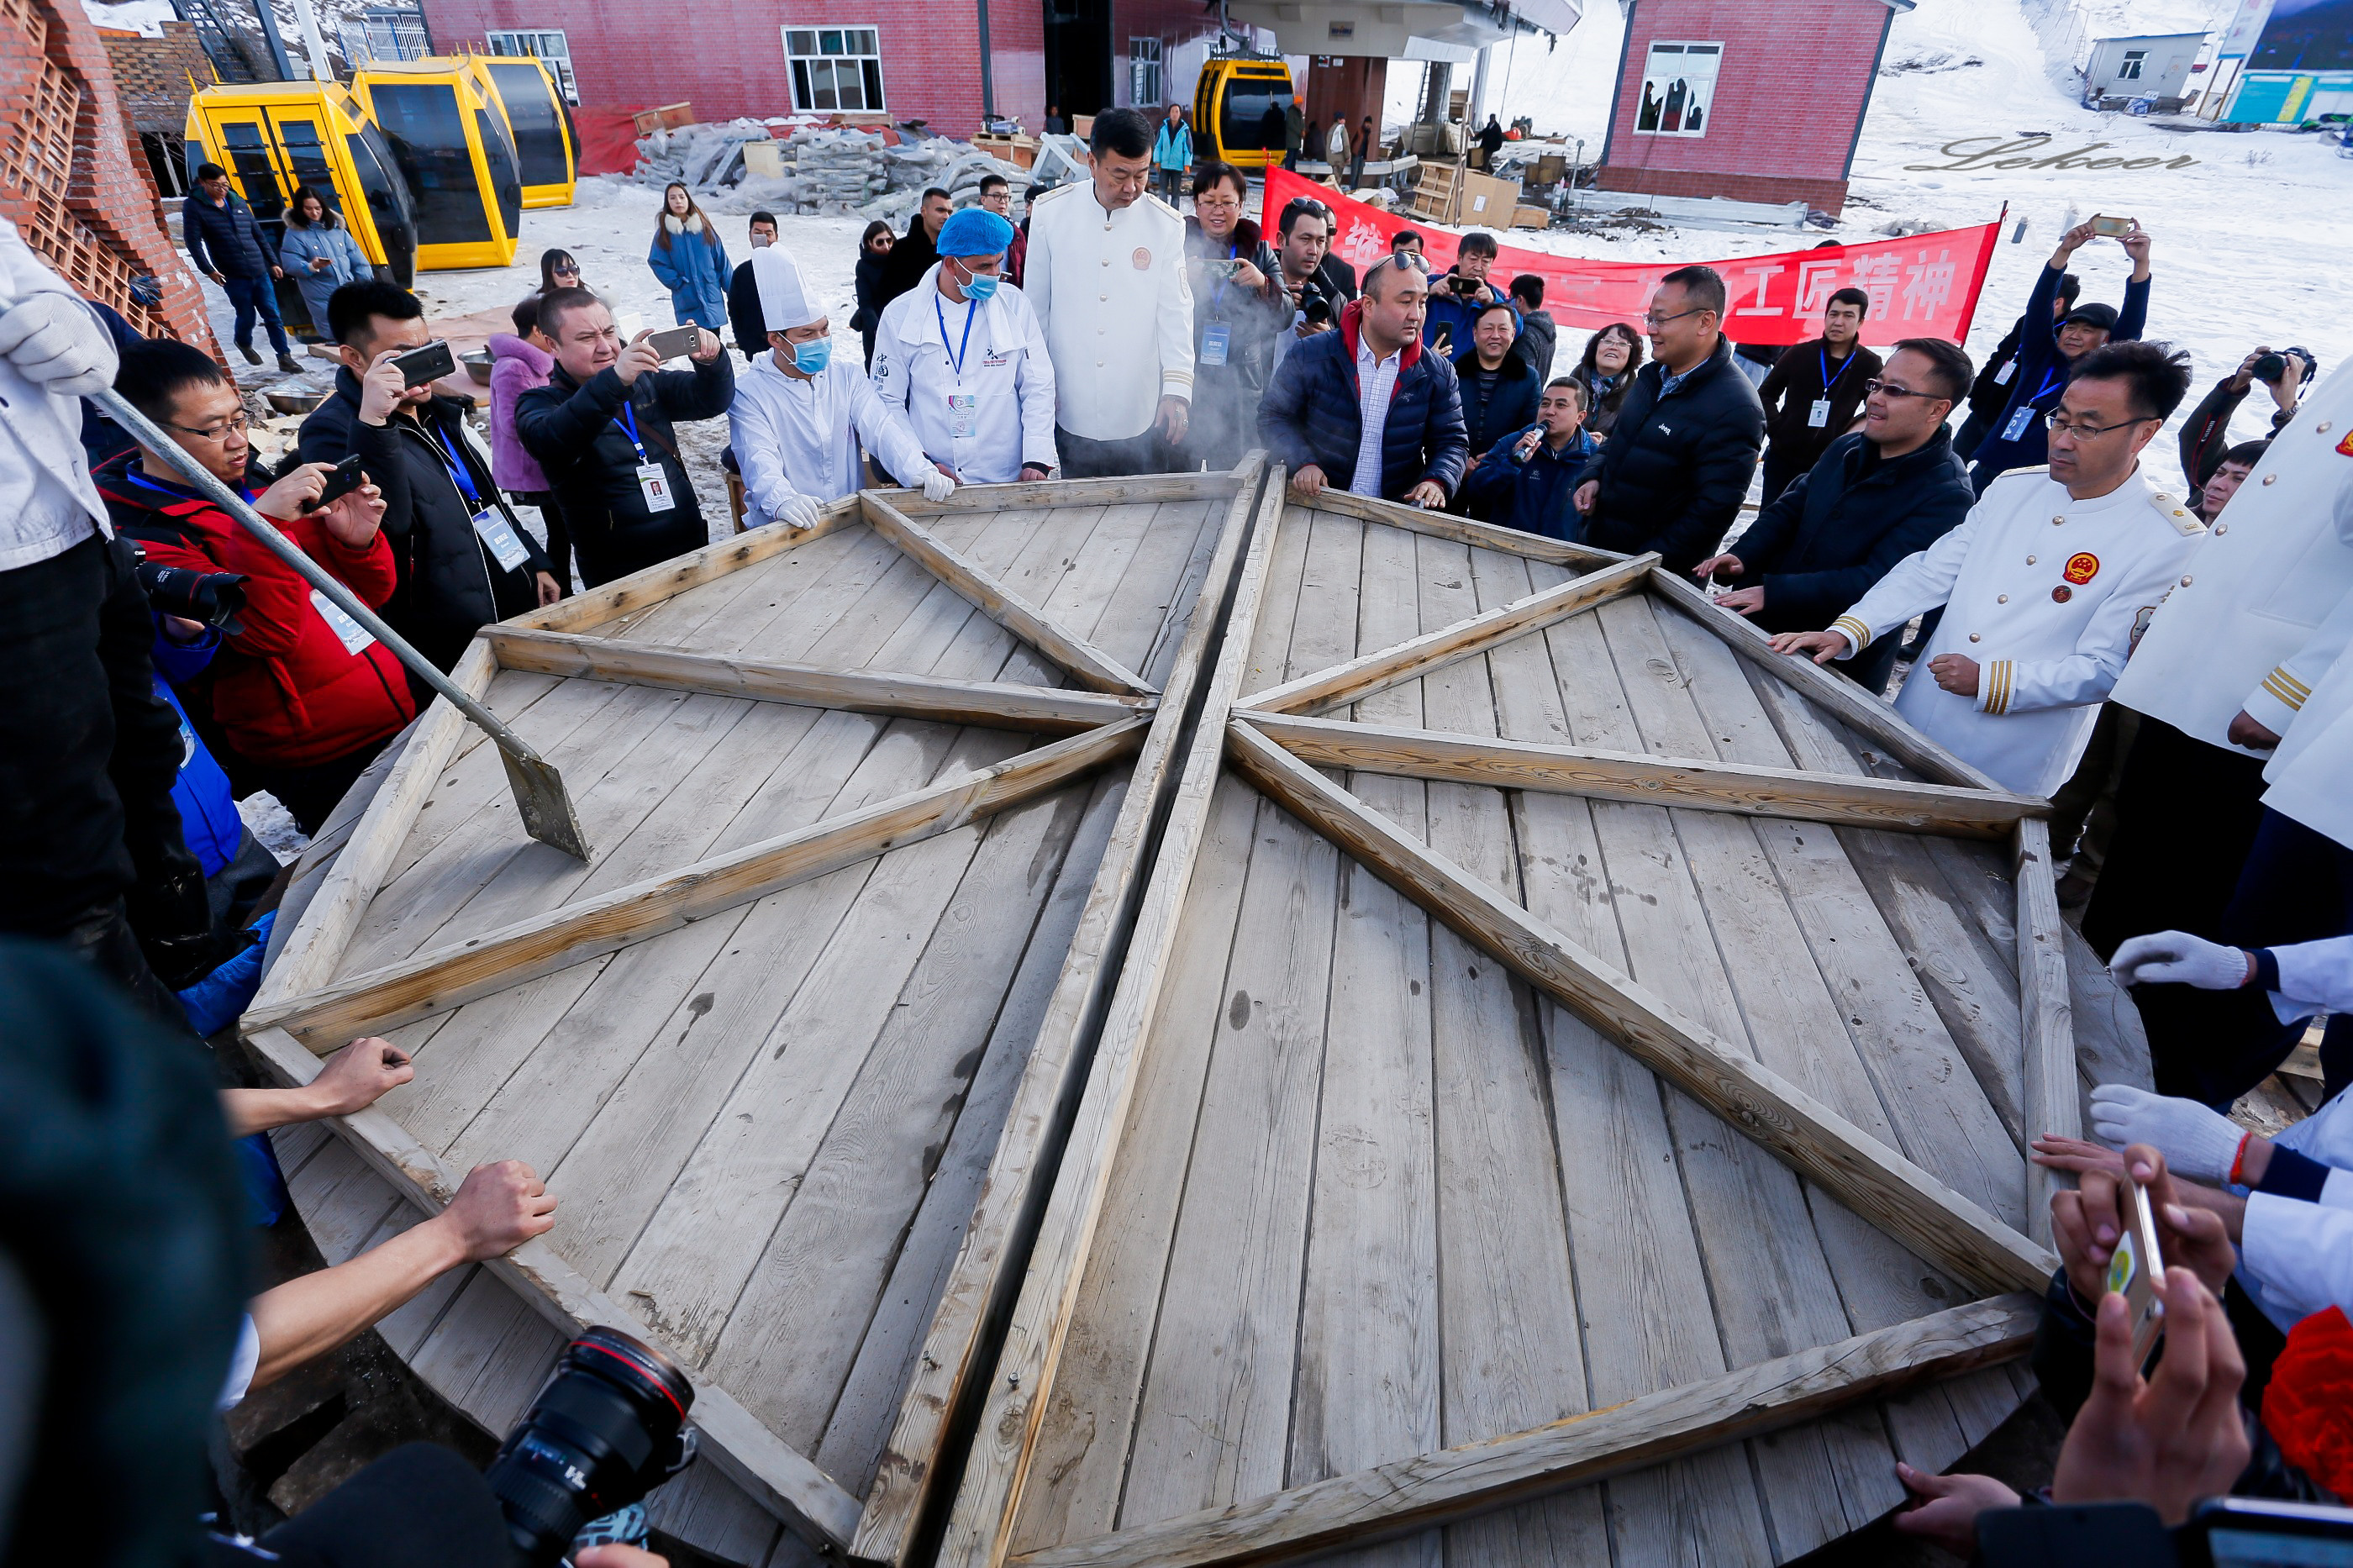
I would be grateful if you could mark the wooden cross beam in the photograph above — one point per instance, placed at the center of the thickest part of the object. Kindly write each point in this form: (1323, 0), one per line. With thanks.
(1410, 1495)
(1000, 705)
(449, 976)
(1648, 780)
(1876, 1181)
(2047, 1015)
(1462, 529)
(1087, 664)
(1377, 672)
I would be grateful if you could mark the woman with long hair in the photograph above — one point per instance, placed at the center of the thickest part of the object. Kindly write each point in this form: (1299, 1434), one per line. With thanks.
(558, 269)
(319, 252)
(1612, 355)
(691, 263)
(873, 250)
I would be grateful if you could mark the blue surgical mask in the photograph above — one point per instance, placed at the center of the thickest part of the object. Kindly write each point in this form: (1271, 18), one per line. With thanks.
(978, 286)
(811, 358)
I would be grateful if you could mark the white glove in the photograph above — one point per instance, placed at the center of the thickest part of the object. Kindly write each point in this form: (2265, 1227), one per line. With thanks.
(797, 512)
(56, 341)
(2175, 957)
(2196, 1143)
(937, 486)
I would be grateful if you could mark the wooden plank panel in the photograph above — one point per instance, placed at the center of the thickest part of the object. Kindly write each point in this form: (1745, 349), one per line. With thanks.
(2047, 1020)
(656, 583)
(1136, 613)
(765, 586)
(1465, 530)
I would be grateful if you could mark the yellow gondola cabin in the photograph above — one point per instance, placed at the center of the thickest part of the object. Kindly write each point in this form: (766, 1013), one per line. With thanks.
(273, 136)
(1230, 99)
(547, 152)
(451, 145)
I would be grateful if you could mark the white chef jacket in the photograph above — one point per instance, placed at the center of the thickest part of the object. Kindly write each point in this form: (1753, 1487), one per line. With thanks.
(48, 503)
(1004, 370)
(1111, 295)
(2042, 591)
(795, 436)
(2254, 629)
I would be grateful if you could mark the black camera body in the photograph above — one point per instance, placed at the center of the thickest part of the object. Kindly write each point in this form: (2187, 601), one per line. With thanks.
(216, 598)
(2270, 367)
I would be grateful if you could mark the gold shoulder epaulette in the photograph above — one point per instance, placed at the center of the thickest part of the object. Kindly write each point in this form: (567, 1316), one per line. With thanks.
(2184, 520)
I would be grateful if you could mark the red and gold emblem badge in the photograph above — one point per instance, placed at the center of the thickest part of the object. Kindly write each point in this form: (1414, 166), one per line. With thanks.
(2082, 567)
(1142, 260)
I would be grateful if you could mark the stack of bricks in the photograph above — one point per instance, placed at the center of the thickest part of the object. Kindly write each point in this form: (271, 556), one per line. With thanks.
(151, 76)
(68, 177)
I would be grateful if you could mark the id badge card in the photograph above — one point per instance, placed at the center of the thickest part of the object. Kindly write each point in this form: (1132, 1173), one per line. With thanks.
(655, 484)
(2009, 368)
(963, 414)
(498, 534)
(1215, 338)
(1819, 416)
(2019, 423)
(349, 632)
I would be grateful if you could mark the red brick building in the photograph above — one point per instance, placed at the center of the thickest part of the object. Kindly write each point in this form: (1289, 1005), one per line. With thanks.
(922, 59)
(1758, 103)
(151, 81)
(70, 179)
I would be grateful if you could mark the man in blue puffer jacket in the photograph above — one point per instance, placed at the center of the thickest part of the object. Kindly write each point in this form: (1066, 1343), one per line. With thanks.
(1315, 415)
(1527, 480)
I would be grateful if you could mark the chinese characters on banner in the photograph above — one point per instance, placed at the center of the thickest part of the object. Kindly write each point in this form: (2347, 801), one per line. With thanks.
(1922, 285)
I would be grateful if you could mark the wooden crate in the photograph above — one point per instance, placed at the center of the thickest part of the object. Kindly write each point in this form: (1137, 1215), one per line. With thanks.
(668, 117)
(1530, 218)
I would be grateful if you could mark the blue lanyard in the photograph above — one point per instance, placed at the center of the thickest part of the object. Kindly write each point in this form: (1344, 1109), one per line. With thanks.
(174, 491)
(628, 420)
(2050, 378)
(971, 308)
(458, 474)
(1829, 380)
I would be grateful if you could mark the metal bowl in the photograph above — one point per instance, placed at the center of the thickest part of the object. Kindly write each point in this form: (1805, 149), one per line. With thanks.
(477, 365)
(295, 402)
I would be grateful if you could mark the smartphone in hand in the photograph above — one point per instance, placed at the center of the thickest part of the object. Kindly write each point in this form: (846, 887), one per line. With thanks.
(430, 362)
(673, 343)
(2137, 1269)
(342, 480)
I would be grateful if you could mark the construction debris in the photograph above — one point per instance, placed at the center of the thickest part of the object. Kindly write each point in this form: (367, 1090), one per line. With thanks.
(836, 170)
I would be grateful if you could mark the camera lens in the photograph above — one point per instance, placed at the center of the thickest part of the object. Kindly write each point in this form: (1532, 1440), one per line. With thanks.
(2270, 367)
(602, 1433)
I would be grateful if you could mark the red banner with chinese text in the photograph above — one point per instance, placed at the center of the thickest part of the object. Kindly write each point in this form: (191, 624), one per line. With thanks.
(1922, 285)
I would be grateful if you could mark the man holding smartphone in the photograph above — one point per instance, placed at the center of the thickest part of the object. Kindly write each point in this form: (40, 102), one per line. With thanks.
(1456, 299)
(462, 561)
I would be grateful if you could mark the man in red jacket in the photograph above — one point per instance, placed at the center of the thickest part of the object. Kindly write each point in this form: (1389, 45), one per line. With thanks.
(304, 696)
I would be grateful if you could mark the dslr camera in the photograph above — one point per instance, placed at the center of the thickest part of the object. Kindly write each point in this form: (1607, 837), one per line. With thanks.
(216, 598)
(2271, 367)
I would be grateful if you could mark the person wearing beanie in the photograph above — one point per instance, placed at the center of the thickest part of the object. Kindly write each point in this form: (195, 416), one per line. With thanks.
(961, 358)
(801, 413)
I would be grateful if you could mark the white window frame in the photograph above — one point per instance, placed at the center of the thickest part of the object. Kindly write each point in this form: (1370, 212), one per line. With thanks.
(2131, 69)
(1145, 59)
(385, 33)
(546, 45)
(1672, 63)
(801, 65)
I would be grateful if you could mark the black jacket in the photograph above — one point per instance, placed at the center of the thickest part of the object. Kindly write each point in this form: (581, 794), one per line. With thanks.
(1539, 340)
(1675, 466)
(1992, 388)
(2206, 434)
(225, 239)
(1601, 407)
(1791, 387)
(1339, 278)
(575, 431)
(870, 298)
(1841, 527)
(450, 583)
(904, 267)
(1493, 407)
(744, 317)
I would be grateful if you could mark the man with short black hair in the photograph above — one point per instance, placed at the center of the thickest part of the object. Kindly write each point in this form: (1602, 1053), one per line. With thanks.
(1526, 478)
(2229, 475)
(1992, 388)
(601, 429)
(1409, 241)
(2205, 436)
(234, 251)
(462, 561)
(1366, 408)
(1106, 277)
(1885, 492)
(913, 256)
(1814, 391)
(1675, 469)
(997, 196)
(2048, 351)
(743, 292)
(2046, 581)
(1456, 299)
(1539, 337)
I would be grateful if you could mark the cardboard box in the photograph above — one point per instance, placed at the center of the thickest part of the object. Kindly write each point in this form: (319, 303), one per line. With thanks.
(1484, 200)
(1530, 218)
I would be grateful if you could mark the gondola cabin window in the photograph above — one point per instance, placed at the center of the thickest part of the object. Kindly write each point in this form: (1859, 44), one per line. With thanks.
(550, 45)
(836, 70)
(428, 138)
(538, 134)
(1678, 90)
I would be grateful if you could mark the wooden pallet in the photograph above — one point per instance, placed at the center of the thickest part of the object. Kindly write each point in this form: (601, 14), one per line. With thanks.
(1566, 1100)
(871, 803)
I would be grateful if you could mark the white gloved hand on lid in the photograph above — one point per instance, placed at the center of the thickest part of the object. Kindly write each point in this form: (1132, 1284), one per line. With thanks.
(797, 511)
(937, 486)
(2197, 1142)
(2175, 957)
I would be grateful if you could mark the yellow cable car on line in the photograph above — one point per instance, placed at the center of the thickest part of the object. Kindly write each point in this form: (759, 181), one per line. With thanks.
(547, 150)
(1230, 99)
(451, 145)
(272, 136)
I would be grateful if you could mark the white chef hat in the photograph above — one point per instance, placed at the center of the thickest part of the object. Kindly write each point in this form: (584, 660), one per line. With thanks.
(785, 300)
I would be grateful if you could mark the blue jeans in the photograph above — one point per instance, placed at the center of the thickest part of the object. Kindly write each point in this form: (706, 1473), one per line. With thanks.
(250, 295)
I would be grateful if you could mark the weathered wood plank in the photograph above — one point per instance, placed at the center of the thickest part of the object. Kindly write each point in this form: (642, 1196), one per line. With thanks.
(1368, 673)
(640, 590)
(1073, 493)
(1087, 664)
(1392, 1499)
(1619, 775)
(446, 977)
(998, 705)
(1461, 530)
(2046, 1014)
(1869, 1177)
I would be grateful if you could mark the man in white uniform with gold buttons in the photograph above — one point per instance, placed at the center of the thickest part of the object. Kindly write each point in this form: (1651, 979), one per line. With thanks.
(2046, 583)
(1105, 275)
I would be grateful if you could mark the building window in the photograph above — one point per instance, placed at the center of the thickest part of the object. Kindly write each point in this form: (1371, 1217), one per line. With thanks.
(836, 70)
(1144, 72)
(546, 44)
(385, 33)
(1678, 90)
(2130, 70)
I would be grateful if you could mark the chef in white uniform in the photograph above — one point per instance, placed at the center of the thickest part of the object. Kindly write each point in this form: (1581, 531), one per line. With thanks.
(800, 414)
(961, 356)
(2045, 584)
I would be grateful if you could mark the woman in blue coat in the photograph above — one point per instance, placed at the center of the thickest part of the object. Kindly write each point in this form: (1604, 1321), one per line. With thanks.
(319, 253)
(691, 262)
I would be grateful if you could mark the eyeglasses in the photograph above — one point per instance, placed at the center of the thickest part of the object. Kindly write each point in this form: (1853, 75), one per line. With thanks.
(234, 424)
(2062, 426)
(1877, 388)
(1653, 321)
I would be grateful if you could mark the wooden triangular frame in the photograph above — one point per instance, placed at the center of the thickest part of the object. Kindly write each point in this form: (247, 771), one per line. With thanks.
(1269, 739)
(304, 1012)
